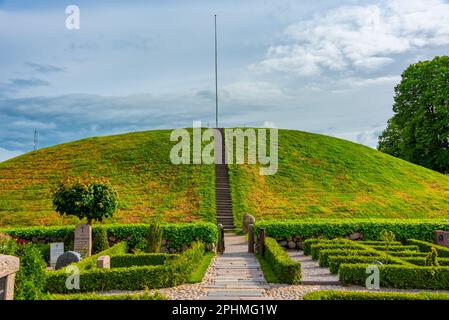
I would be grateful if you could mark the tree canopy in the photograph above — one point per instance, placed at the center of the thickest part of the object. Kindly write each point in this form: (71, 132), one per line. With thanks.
(85, 198)
(419, 130)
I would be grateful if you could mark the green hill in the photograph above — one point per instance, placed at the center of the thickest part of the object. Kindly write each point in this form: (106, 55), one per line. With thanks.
(318, 176)
(138, 166)
(321, 176)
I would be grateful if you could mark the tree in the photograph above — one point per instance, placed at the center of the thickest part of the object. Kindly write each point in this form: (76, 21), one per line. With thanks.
(388, 237)
(419, 129)
(85, 198)
(432, 258)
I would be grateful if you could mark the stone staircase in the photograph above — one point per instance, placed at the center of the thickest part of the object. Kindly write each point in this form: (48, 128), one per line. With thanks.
(222, 190)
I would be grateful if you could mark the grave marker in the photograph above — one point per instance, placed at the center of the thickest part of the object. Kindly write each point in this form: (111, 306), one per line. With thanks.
(56, 249)
(83, 240)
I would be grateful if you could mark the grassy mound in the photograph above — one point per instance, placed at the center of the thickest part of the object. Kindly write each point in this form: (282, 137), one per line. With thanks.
(325, 177)
(138, 166)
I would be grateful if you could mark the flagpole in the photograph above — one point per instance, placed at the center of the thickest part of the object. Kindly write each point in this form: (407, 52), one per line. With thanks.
(216, 77)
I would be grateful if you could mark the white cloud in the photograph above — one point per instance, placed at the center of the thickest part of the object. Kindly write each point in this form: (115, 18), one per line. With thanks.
(359, 37)
(8, 154)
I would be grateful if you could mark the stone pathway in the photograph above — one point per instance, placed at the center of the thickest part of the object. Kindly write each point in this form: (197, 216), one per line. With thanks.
(237, 274)
(311, 272)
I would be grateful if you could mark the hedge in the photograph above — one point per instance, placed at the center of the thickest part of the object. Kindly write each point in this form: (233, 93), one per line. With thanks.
(422, 229)
(366, 295)
(91, 262)
(421, 261)
(336, 261)
(141, 259)
(325, 254)
(93, 296)
(178, 234)
(427, 246)
(396, 248)
(316, 248)
(307, 244)
(287, 270)
(398, 276)
(379, 243)
(172, 273)
(408, 254)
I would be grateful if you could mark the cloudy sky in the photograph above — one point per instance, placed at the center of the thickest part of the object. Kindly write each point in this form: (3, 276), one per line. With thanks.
(321, 66)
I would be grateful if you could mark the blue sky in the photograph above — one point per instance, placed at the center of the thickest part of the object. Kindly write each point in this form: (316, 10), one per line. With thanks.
(321, 66)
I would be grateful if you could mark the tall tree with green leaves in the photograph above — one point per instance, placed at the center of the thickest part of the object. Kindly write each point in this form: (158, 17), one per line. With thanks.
(419, 130)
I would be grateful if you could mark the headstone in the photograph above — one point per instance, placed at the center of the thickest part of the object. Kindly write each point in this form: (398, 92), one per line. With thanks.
(83, 240)
(56, 249)
(104, 262)
(246, 221)
(442, 238)
(66, 259)
(9, 265)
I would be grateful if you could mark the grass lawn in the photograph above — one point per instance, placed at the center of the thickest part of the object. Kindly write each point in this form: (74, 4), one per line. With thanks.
(138, 166)
(198, 274)
(325, 177)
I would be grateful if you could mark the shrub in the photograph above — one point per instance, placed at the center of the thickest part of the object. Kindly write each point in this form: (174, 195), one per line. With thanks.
(398, 276)
(421, 261)
(396, 248)
(336, 261)
(371, 229)
(286, 270)
(425, 246)
(93, 296)
(316, 248)
(407, 254)
(379, 243)
(366, 295)
(432, 258)
(177, 234)
(325, 254)
(148, 259)
(91, 262)
(100, 240)
(154, 238)
(172, 273)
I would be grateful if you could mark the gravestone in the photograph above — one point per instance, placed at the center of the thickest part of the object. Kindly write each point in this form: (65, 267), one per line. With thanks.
(56, 249)
(442, 238)
(9, 265)
(67, 258)
(83, 240)
(104, 262)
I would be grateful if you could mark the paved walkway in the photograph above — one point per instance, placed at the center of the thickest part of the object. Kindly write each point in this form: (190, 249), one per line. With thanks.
(236, 273)
(311, 272)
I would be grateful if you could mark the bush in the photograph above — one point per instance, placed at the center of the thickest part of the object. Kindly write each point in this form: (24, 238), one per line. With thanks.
(425, 246)
(91, 262)
(421, 261)
(177, 234)
(398, 276)
(316, 248)
(325, 254)
(307, 244)
(148, 259)
(371, 229)
(286, 270)
(154, 238)
(100, 240)
(396, 248)
(336, 261)
(172, 273)
(366, 295)
(379, 243)
(432, 258)
(407, 254)
(93, 296)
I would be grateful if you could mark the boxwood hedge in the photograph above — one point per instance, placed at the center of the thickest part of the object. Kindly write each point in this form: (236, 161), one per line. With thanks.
(366, 295)
(141, 259)
(287, 270)
(427, 246)
(422, 229)
(177, 234)
(336, 261)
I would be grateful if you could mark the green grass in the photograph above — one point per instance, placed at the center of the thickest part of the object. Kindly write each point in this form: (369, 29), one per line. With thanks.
(198, 274)
(268, 273)
(325, 177)
(138, 166)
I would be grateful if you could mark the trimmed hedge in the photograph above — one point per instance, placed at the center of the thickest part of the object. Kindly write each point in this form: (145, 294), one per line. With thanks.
(379, 243)
(316, 248)
(307, 244)
(336, 261)
(407, 254)
(427, 246)
(91, 262)
(421, 261)
(286, 270)
(172, 273)
(398, 276)
(366, 295)
(93, 296)
(141, 259)
(325, 254)
(371, 229)
(177, 234)
(396, 248)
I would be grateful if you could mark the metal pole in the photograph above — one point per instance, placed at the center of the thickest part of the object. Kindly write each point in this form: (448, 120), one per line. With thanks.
(216, 76)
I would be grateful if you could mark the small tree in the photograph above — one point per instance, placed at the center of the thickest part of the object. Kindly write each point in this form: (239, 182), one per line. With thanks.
(85, 198)
(154, 237)
(100, 241)
(388, 237)
(432, 258)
